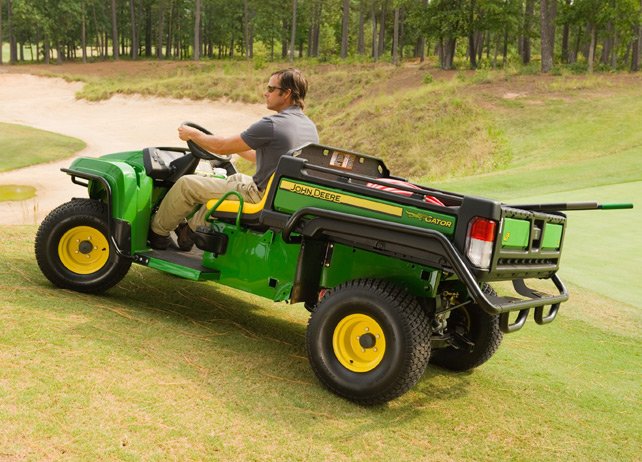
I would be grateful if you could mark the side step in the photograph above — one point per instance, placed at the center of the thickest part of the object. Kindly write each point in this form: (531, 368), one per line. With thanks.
(179, 263)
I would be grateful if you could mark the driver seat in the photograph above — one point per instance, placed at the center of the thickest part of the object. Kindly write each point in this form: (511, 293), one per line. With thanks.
(229, 209)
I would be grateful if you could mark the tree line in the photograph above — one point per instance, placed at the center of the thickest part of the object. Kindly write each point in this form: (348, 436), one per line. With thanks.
(479, 32)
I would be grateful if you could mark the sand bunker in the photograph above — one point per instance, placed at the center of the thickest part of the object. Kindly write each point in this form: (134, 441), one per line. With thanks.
(119, 124)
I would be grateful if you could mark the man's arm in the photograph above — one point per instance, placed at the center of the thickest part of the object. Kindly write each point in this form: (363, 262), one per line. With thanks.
(218, 144)
(248, 155)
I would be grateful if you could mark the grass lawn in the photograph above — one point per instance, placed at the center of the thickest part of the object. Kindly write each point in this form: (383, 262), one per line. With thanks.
(25, 146)
(161, 368)
(603, 248)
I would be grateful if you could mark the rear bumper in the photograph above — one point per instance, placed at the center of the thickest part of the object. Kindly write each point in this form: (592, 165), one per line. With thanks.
(428, 247)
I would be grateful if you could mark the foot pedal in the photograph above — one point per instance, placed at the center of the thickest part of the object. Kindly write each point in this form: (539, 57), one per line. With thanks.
(210, 240)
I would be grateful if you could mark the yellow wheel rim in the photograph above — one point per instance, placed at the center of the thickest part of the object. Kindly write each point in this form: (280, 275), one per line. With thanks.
(83, 250)
(359, 343)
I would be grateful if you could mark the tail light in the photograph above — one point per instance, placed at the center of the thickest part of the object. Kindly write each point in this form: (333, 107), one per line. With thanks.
(480, 240)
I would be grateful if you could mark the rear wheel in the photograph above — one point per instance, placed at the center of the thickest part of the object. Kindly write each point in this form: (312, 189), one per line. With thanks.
(73, 248)
(478, 337)
(368, 341)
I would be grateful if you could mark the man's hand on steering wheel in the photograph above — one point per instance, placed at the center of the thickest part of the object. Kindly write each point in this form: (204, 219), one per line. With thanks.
(200, 152)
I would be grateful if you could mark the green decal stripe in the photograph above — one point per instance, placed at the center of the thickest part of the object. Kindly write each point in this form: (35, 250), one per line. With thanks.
(344, 199)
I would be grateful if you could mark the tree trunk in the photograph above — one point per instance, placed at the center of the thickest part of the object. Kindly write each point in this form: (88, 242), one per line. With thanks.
(344, 29)
(382, 28)
(607, 45)
(637, 46)
(422, 43)
(284, 43)
(317, 28)
(148, 32)
(37, 42)
(528, 31)
(395, 39)
(246, 29)
(196, 55)
(578, 45)
(170, 30)
(402, 30)
(375, 48)
(98, 40)
(361, 42)
(83, 33)
(1, 36)
(251, 36)
(591, 56)
(448, 54)
(13, 46)
(420, 48)
(614, 51)
(132, 13)
(505, 51)
(548, 11)
(47, 49)
(472, 53)
(58, 52)
(496, 52)
(161, 26)
(293, 37)
(114, 30)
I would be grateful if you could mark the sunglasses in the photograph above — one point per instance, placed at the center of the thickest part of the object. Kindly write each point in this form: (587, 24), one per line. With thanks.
(270, 88)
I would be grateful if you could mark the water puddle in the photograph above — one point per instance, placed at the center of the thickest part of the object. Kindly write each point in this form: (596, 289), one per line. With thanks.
(12, 192)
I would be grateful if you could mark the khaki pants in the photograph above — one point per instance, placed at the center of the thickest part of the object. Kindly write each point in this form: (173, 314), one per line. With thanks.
(192, 190)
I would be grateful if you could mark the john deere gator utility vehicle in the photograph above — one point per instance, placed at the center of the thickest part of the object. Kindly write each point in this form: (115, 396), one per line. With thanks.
(395, 275)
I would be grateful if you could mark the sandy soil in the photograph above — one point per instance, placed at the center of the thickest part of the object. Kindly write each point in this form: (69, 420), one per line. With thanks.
(119, 124)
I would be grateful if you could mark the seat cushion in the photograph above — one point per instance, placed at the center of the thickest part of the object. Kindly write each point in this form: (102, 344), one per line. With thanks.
(232, 206)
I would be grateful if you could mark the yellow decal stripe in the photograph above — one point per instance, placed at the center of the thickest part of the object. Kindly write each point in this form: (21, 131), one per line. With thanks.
(344, 199)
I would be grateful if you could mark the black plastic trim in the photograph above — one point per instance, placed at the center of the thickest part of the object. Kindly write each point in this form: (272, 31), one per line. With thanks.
(301, 223)
(117, 230)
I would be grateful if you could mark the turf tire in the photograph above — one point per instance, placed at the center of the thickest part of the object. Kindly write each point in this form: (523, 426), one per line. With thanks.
(403, 326)
(61, 264)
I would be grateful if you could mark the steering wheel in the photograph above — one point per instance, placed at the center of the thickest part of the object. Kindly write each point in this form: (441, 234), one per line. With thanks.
(199, 151)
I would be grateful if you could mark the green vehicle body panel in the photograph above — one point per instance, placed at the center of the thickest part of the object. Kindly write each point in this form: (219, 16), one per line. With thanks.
(552, 239)
(516, 234)
(261, 264)
(293, 195)
(349, 263)
(131, 190)
(264, 265)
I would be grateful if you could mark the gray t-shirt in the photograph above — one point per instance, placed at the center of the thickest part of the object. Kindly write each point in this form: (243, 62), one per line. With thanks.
(273, 136)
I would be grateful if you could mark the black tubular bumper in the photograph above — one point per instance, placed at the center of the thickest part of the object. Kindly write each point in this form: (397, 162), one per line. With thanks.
(119, 230)
(429, 247)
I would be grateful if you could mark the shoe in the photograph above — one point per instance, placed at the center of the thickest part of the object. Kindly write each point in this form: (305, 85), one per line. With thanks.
(158, 242)
(184, 235)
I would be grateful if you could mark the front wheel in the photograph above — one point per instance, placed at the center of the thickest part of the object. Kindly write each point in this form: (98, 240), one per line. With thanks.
(368, 341)
(73, 248)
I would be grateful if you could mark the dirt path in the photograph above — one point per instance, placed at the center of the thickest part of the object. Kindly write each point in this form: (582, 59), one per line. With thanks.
(119, 124)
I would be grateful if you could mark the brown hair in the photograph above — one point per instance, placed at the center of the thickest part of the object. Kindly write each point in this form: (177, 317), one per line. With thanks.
(294, 80)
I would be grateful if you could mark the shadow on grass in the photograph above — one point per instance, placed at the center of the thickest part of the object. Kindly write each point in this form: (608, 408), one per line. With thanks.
(246, 353)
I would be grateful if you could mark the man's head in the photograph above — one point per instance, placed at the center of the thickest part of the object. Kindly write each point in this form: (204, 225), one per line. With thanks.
(289, 87)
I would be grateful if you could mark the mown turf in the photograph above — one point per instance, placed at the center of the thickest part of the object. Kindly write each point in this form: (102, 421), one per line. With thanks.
(160, 368)
(24, 146)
